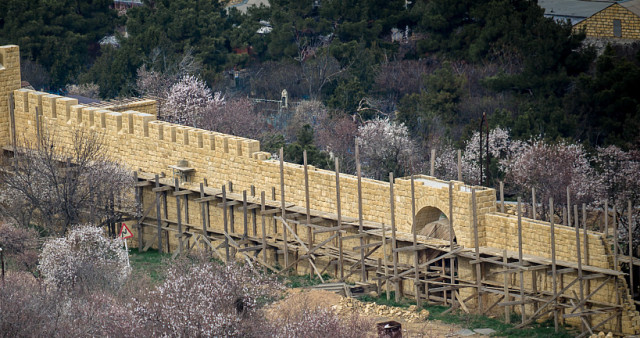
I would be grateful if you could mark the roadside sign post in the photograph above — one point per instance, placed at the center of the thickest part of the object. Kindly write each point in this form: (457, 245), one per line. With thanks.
(125, 233)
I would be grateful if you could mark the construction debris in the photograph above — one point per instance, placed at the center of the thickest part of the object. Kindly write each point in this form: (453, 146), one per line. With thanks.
(410, 315)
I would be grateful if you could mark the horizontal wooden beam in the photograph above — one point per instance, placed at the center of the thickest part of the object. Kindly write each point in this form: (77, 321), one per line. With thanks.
(562, 271)
(515, 302)
(206, 199)
(252, 248)
(229, 204)
(411, 248)
(330, 229)
(370, 245)
(344, 238)
(485, 260)
(161, 189)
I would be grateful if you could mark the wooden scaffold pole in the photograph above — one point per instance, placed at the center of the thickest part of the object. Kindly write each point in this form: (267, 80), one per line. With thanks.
(579, 261)
(178, 215)
(158, 215)
(394, 245)
(502, 197)
(414, 231)
(523, 313)
(630, 238)
(225, 224)
(307, 202)
(615, 238)
(452, 260)
(606, 221)
(459, 165)
(283, 212)
(264, 227)
(554, 274)
(338, 205)
(533, 203)
(568, 207)
(360, 216)
(139, 211)
(477, 250)
(585, 253)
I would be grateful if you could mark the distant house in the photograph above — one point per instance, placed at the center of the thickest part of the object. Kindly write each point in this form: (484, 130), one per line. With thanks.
(599, 19)
(242, 5)
(125, 4)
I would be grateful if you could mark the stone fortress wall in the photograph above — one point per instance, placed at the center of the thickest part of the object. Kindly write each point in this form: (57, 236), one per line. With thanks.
(141, 142)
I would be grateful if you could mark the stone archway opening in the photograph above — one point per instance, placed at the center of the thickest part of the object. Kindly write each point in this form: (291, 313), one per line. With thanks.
(433, 223)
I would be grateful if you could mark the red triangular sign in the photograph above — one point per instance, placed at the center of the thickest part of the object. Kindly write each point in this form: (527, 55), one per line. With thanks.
(125, 232)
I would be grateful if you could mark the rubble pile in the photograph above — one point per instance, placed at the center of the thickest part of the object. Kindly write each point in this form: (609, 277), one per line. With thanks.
(347, 305)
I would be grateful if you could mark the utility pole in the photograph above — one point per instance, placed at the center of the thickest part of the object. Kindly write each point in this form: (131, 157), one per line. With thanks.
(486, 122)
(480, 152)
(2, 263)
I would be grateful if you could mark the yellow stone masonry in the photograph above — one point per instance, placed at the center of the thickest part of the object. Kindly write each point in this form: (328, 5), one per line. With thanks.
(9, 81)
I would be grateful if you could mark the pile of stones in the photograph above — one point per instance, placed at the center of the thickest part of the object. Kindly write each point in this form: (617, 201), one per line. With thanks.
(411, 315)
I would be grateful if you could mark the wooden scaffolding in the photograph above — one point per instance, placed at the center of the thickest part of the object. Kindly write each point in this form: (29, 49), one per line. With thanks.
(278, 236)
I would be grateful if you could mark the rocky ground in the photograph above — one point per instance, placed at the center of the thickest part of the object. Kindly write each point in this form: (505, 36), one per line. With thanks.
(414, 324)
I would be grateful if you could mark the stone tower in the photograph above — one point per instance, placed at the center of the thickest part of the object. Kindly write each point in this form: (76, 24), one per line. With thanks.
(9, 81)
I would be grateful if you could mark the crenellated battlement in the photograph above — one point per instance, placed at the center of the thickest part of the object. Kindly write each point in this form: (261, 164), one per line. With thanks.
(59, 111)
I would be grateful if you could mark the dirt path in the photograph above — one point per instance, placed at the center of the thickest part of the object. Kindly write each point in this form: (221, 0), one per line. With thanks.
(414, 324)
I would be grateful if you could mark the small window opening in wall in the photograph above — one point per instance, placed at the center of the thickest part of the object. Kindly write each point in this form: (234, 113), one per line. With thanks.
(617, 28)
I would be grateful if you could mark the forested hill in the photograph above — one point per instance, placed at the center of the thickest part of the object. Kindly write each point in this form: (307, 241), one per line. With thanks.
(434, 65)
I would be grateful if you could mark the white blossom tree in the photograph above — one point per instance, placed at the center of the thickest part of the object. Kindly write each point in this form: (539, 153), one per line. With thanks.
(385, 147)
(207, 299)
(305, 322)
(85, 258)
(187, 100)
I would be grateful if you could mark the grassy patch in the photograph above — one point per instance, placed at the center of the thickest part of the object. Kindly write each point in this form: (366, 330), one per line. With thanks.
(301, 281)
(474, 321)
(151, 263)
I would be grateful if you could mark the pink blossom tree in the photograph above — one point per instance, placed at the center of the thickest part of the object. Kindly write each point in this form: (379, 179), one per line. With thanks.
(501, 149)
(337, 136)
(56, 185)
(620, 174)
(19, 246)
(237, 116)
(550, 169)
